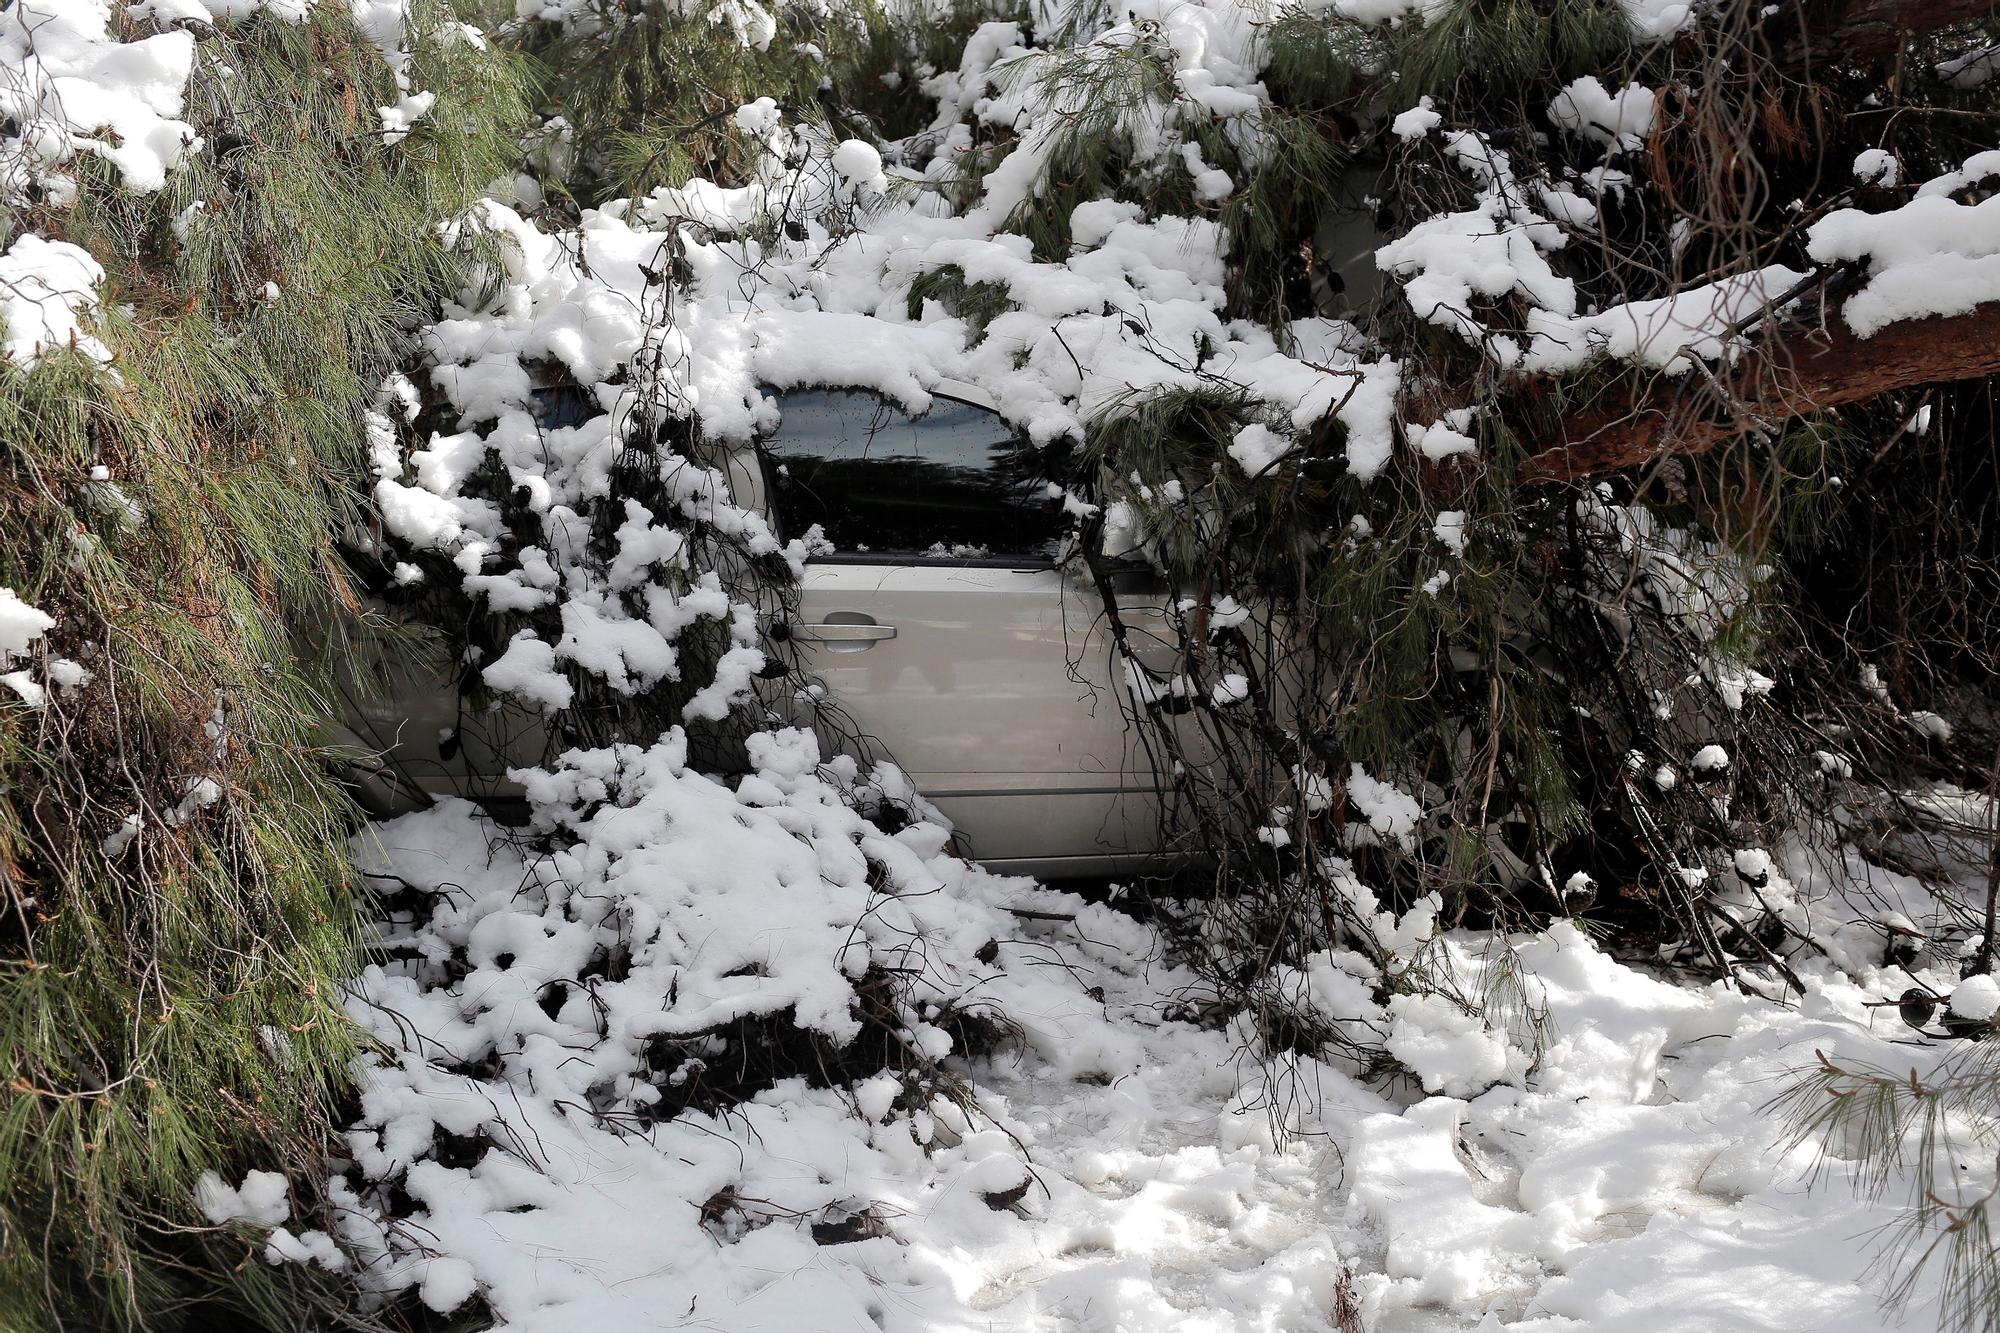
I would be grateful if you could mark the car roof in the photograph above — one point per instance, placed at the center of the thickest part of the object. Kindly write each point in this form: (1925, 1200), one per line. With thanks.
(966, 393)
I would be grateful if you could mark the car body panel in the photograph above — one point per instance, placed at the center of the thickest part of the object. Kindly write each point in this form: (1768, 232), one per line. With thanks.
(995, 696)
(413, 734)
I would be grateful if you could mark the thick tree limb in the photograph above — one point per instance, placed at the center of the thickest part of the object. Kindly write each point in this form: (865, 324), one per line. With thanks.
(1808, 369)
(1825, 32)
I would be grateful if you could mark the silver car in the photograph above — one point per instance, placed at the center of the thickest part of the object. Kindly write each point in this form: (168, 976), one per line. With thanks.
(943, 628)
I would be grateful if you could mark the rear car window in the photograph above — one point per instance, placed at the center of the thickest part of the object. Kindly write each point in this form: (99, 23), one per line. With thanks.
(955, 484)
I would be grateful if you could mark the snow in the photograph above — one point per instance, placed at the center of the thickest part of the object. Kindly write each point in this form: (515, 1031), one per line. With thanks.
(200, 794)
(1452, 529)
(21, 626)
(261, 1198)
(1753, 864)
(1257, 449)
(115, 842)
(664, 866)
(448, 1283)
(1929, 724)
(1971, 70)
(860, 165)
(1976, 998)
(1618, 121)
(25, 688)
(527, 670)
(1442, 439)
(1659, 19)
(1495, 249)
(1930, 256)
(1391, 812)
(1454, 266)
(1877, 166)
(1633, 1176)
(1445, 1247)
(1664, 332)
(47, 291)
(1418, 121)
(1447, 1048)
(397, 120)
(1211, 184)
(70, 79)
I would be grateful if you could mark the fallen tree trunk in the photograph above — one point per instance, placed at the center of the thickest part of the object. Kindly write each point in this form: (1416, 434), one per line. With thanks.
(1824, 32)
(1809, 369)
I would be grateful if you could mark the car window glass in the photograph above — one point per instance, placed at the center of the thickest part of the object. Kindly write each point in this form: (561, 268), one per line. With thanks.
(953, 484)
(564, 403)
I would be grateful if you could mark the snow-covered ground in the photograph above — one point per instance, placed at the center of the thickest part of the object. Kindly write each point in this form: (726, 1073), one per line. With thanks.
(1636, 1182)
(1111, 1166)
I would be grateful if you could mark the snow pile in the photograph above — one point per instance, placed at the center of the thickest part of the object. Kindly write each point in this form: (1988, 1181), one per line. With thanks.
(71, 87)
(687, 1048)
(47, 290)
(1931, 256)
(1639, 1179)
(1636, 1180)
(556, 1133)
(21, 628)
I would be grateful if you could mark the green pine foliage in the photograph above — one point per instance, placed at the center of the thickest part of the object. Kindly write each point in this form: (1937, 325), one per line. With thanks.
(648, 92)
(1905, 1130)
(173, 1007)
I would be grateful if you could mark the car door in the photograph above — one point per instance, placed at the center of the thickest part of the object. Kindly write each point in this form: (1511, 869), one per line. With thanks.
(947, 636)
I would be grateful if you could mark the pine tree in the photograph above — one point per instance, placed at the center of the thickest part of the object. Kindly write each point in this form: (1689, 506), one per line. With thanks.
(180, 911)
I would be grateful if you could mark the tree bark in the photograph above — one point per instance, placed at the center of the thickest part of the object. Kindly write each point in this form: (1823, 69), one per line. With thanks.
(1821, 32)
(1808, 369)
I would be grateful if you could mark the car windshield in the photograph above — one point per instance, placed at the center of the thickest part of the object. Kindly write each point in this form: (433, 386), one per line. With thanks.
(953, 484)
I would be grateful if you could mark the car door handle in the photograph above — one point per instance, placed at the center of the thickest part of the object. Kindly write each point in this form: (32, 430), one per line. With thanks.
(830, 633)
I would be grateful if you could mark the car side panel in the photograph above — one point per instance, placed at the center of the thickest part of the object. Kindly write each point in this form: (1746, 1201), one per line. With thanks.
(408, 733)
(996, 696)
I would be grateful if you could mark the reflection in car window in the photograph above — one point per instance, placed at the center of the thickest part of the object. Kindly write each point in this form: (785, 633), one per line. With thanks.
(955, 483)
(564, 403)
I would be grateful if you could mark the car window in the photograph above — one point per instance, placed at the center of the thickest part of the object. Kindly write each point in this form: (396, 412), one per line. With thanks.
(955, 484)
(564, 403)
